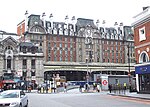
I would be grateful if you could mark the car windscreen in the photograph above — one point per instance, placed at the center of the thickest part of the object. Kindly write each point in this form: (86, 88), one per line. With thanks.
(9, 95)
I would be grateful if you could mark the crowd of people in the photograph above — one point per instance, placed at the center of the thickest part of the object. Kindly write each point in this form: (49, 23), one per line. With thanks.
(96, 87)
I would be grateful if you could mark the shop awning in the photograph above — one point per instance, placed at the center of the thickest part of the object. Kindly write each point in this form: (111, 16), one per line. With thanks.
(9, 81)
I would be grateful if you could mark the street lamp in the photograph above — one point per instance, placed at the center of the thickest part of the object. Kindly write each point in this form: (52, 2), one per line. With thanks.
(129, 73)
(87, 73)
(88, 43)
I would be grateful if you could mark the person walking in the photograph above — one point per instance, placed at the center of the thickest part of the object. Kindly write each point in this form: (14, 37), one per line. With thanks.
(110, 88)
(65, 87)
(98, 87)
(80, 88)
(125, 87)
(86, 87)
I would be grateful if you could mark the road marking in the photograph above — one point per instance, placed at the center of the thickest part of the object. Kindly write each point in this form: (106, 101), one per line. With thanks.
(136, 100)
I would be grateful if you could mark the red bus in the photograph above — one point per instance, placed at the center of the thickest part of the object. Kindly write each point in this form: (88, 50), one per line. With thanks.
(1, 83)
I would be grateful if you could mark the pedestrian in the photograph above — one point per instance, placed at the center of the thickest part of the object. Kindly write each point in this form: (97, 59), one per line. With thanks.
(29, 88)
(125, 87)
(39, 89)
(86, 87)
(47, 88)
(98, 87)
(65, 87)
(110, 88)
(5, 87)
(94, 86)
(80, 88)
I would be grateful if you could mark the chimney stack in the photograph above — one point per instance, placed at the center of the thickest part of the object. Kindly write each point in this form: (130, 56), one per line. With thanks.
(51, 20)
(26, 20)
(144, 8)
(43, 18)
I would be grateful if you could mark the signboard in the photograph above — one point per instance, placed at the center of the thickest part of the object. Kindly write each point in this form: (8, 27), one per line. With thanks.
(104, 82)
(145, 69)
(8, 81)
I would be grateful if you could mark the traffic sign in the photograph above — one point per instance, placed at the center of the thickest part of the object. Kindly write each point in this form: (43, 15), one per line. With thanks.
(104, 82)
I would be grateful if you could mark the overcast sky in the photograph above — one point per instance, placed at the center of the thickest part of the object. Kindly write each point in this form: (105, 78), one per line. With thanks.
(12, 11)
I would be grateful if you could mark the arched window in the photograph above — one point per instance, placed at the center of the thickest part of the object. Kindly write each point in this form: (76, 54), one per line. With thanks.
(9, 47)
(143, 57)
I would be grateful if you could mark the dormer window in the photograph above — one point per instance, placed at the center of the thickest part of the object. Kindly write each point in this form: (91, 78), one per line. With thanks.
(24, 49)
(32, 50)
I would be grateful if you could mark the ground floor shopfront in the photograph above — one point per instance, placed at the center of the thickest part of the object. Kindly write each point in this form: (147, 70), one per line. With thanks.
(70, 75)
(84, 71)
(143, 77)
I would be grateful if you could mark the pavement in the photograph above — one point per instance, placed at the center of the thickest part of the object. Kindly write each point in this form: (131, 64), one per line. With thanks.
(131, 95)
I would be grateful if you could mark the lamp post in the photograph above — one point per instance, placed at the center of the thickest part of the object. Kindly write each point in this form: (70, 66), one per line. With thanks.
(129, 73)
(87, 73)
(88, 43)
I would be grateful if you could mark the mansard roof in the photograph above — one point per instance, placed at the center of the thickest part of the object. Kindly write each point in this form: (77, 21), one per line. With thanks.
(27, 44)
(82, 22)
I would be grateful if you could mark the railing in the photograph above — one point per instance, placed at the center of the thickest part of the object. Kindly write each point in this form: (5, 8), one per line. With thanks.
(121, 89)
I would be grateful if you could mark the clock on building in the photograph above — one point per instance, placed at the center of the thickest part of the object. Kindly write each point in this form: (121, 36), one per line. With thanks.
(88, 33)
(88, 36)
(35, 20)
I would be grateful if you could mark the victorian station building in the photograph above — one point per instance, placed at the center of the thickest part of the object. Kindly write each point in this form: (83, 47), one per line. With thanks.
(74, 50)
(142, 49)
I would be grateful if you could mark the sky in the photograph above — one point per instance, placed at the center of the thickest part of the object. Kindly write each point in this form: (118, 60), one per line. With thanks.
(12, 11)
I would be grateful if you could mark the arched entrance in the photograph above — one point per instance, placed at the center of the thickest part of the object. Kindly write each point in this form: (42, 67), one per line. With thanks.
(9, 62)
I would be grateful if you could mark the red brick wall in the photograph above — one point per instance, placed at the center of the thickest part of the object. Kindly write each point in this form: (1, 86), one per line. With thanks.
(136, 34)
(63, 42)
(138, 43)
(20, 30)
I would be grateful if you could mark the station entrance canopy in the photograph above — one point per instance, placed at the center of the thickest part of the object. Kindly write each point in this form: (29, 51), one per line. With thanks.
(75, 66)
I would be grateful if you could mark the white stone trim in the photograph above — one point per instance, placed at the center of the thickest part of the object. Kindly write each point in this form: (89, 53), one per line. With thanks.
(141, 16)
(142, 33)
(142, 45)
(140, 57)
(137, 82)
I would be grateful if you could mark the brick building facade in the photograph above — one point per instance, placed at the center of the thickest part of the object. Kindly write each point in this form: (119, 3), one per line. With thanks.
(69, 47)
(142, 49)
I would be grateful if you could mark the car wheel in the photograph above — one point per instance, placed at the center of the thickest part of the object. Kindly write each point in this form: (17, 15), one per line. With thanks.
(20, 105)
(26, 104)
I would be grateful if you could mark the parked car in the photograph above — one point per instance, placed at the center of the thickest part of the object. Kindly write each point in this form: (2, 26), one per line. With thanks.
(13, 98)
